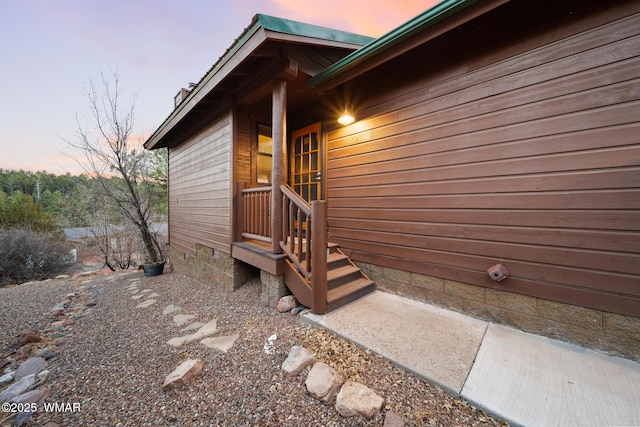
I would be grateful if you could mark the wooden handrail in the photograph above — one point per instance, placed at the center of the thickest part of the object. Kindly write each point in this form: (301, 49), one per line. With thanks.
(297, 200)
(304, 237)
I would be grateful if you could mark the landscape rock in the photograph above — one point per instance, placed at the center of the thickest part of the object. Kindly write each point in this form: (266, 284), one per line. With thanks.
(287, 303)
(391, 419)
(42, 375)
(221, 343)
(323, 382)
(33, 365)
(28, 337)
(7, 378)
(58, 308)
(298, 359)
(357, 399)
(18, 388)
(46, 353)
(184, 373)
(23, 352)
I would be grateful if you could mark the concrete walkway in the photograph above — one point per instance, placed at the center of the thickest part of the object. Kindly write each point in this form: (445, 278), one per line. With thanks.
(523, 378)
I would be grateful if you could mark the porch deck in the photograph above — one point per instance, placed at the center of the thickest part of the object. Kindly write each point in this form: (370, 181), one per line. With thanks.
(259, 254)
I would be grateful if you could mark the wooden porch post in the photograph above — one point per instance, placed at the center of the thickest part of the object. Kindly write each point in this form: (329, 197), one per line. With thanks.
(319, 256)
(279, 157)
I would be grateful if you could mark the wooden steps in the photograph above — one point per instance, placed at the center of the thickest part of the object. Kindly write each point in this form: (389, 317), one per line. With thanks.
(346, 282)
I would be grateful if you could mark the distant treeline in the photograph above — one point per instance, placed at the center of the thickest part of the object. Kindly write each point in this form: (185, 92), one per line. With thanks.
(36, 183)
(39, 199)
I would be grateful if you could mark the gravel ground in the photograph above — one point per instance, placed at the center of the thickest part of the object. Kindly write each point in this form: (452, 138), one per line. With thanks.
(115, 359)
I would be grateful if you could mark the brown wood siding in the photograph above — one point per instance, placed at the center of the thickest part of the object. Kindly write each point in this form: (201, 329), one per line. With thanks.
(243, 154)
(532, 161)
(200, 189)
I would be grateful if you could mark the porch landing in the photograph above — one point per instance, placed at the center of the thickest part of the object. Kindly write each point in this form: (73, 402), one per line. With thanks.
(523, 378)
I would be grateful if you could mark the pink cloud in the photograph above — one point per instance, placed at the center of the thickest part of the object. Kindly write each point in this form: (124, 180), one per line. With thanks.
(373, 18)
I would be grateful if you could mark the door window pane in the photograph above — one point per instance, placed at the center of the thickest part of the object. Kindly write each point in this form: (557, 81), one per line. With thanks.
(306, 163)
(264, 155)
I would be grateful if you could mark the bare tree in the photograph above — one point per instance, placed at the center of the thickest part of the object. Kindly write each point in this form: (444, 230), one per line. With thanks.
(126, 172)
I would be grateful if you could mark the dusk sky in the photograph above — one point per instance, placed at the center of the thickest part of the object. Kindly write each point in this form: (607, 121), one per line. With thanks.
(51, 49)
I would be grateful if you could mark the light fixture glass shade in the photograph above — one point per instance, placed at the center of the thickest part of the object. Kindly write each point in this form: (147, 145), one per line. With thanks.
(347, 117)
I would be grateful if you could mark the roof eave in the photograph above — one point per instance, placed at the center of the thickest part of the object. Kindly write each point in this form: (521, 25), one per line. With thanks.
(261, 29)
(361, 60)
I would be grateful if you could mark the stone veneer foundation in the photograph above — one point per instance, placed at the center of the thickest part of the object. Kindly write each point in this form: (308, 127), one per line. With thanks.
(219, 268)
(212, 266)
(608, 332)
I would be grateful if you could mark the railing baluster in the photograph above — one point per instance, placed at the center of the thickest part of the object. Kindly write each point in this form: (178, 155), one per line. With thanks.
(254, 218)
(308, 244)
(260, 218)
(299, 234)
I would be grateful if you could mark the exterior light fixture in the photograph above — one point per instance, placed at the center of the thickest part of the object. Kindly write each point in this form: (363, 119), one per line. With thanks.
(347, 116)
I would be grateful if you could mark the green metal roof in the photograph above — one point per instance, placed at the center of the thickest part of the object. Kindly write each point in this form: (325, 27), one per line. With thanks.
(432, 16)
(286, 26)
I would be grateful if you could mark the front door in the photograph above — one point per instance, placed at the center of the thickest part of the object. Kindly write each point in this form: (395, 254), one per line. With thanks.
(307, 162)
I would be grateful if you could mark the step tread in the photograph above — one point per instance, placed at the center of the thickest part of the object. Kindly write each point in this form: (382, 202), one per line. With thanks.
(341, 272)
(333, 258)
(347, 289)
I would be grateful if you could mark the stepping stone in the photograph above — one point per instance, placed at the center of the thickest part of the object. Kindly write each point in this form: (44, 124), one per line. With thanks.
(192, 326)
(205, 330)
(146, 303)
(184, 373)
(153, 295)
(220, 343)
(134, 291)
(146, 290)
(137, 296)
(170, 309)
(181, 319)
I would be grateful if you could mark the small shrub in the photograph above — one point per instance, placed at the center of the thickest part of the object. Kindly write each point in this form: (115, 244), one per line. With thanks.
(27, 255)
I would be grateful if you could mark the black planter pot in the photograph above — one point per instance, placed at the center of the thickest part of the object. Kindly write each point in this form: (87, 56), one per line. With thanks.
(153, 269)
